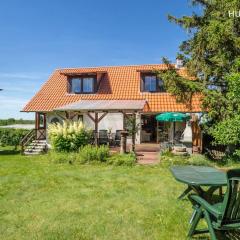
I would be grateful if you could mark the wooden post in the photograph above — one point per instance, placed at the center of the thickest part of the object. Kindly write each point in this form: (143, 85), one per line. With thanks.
(134, 132)
(96, 129)
(123, 143)
(96, 120)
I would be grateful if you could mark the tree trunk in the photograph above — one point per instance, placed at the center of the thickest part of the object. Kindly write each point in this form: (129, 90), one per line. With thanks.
(133, 142)
(123, 143)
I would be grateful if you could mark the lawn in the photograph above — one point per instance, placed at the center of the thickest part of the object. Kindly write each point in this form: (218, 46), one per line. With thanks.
(44, 200)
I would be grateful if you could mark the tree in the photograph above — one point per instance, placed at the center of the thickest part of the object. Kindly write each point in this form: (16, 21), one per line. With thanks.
(132, 128)
(212, 55)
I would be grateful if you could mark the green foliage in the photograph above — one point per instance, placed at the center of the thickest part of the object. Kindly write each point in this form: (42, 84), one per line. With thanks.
(11, 137)
(167, 159)
(183, 89)
(212, 55)
(69, 136)
(11, 121)
(87, 154)
(214, 39)
(122, 159)
(90, 153)
(131, 125)
(226, 130)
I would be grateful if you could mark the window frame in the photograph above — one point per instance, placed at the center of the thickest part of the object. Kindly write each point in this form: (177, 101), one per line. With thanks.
(158, 89)
(81, 77)
(40, 120)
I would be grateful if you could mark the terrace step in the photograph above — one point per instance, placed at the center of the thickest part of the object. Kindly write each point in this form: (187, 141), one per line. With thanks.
(36, 147)
(39, 141)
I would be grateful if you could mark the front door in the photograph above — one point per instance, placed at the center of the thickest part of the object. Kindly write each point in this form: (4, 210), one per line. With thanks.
(148, 128)
(41, 126)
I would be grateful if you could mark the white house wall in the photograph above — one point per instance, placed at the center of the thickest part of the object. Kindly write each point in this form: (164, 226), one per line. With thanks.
(113, 121)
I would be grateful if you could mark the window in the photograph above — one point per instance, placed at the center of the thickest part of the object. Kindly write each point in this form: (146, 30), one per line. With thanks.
(150, 83)
(75, 85)
(88, 85)
(82, 85)
(41, 121)
(80, 118)
(55, 120)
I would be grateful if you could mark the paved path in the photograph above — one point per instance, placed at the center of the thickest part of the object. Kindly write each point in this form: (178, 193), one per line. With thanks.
(147, 153)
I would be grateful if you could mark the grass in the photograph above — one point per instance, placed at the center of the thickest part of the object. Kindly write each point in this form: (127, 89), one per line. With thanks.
(41, 199)
(168, 159)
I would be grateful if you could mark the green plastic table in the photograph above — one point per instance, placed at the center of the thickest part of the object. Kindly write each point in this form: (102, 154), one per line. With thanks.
(197, 177)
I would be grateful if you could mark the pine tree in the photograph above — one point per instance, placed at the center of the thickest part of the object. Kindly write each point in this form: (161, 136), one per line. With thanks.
(212, 55)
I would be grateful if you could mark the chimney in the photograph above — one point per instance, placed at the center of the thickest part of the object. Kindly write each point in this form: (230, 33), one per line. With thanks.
(179, 63)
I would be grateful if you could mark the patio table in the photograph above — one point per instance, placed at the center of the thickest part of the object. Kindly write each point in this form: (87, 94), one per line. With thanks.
(197, 177)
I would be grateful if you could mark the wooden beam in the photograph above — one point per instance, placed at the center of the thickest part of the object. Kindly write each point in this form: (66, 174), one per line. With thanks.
(67, 115)
(90, 116)
(36, 120)
(75, 114)
(59, 115)
(104, 114)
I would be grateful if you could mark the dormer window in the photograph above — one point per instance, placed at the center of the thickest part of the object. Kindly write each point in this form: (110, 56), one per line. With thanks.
(82, 84)
(151, 83)
(88, 85)
(75, 85)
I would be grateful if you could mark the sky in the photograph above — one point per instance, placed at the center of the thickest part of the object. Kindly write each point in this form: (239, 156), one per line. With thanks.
(37, 37)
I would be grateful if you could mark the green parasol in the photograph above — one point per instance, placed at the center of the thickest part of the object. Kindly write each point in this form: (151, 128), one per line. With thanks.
(172, 117)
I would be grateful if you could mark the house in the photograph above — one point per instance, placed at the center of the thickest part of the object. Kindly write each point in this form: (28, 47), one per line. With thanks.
(103, 97)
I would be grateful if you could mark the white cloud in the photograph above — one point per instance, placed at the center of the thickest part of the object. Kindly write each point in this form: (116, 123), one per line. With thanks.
(26, 88)
(7, 102)
(29, 76)
(11, 106)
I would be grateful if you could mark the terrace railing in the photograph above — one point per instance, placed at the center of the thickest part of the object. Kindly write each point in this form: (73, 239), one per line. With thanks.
(34, 134)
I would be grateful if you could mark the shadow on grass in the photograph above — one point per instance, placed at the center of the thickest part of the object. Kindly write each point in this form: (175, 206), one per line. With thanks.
(221, 235)
(9, 152)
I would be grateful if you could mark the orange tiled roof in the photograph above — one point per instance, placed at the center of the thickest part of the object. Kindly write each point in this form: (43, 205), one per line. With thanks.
(120, 82)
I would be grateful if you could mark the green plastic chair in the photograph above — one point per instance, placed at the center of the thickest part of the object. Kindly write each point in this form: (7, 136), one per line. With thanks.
(223, 216)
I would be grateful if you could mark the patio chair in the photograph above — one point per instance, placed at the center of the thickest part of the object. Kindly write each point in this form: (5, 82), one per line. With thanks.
(177, 137)
(118, 137)
(220, 217)
(103, 137)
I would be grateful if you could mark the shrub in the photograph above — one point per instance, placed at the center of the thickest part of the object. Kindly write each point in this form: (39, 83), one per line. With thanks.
(11, 136)
(92, 153)
(169, 159)
(69, 136)
(122, 159)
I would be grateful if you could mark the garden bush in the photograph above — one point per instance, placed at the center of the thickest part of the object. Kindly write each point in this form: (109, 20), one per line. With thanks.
(168, 159)
(122, 159)
(92, 153)
(11, 136)
(69, 136)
